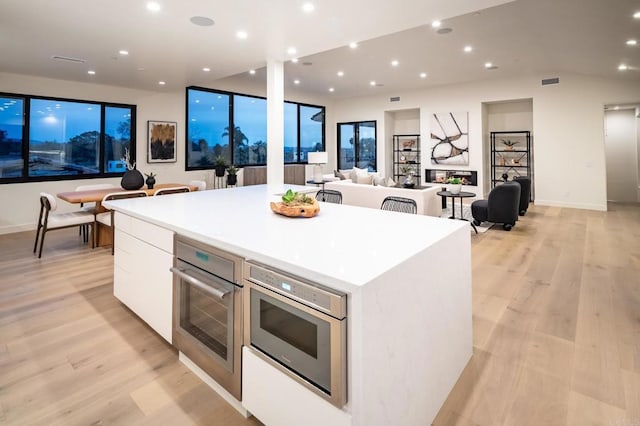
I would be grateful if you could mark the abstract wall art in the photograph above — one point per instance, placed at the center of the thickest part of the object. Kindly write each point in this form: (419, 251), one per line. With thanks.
(450, 138)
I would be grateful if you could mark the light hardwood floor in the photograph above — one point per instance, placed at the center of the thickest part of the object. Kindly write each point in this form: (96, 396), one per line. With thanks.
(556, 317)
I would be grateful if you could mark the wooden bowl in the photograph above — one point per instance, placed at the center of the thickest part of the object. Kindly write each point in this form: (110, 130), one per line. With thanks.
(307, 210)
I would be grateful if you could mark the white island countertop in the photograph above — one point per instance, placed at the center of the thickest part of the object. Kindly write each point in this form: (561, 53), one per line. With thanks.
(344, 247)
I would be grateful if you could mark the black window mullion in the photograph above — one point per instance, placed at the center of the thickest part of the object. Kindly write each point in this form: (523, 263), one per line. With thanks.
(232, 127)
(101, 142)
(25, 137)
(299, 135)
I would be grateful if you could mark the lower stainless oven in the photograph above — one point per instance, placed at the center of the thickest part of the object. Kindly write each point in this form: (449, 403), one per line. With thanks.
(207, 317)
(299, 327)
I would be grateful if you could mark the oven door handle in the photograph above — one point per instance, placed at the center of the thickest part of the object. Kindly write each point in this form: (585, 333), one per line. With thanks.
(202, 286)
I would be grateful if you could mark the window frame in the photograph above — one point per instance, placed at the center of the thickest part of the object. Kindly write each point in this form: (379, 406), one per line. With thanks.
(232, 126)
(25, 178)
(356, 137)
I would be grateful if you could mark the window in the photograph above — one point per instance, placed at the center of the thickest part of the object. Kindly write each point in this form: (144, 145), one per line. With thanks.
(235, 126)
(357, 145)
(62, 139)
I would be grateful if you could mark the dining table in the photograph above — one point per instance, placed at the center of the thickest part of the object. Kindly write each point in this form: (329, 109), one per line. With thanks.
(96, 196)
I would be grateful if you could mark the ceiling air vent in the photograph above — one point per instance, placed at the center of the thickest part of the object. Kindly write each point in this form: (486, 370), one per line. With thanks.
(68, 59)
(394, 99)
(548, 81)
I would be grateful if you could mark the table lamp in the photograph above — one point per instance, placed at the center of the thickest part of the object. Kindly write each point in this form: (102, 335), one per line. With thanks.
(317, 158)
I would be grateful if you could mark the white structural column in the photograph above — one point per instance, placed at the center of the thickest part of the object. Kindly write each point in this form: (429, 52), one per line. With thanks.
(275, 122)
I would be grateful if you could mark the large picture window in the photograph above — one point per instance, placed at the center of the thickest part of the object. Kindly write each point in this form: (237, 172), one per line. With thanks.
(357, 145)
(234, 126)
(50, 139)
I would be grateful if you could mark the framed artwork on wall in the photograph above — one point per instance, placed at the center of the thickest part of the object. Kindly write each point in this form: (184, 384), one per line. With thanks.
(450, 138)
(161, 144)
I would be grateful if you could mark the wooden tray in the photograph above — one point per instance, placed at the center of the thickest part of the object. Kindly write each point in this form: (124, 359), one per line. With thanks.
(308, 210)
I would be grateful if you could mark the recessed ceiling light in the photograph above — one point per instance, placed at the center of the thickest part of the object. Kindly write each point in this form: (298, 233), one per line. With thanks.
(296, 81)
(91, 72)
(436, 24)
(395, 63)
(162, 83)
(123, 52)
(308, 7)
(340, 73)
(632, 42)
(423, 75)
(488, 64)
(140, 69)
(206, 69)
(372, 83)
(294, 60)
(292, 51)
(636, 15)
(152, 6)
(353, 45)
(242, 35)
(623, 67)
(468, 49)
(331, 89)
(616, 108)
(252, 72)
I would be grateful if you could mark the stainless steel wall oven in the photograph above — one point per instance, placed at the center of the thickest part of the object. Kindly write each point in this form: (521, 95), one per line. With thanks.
(299, 327)
(207, 314)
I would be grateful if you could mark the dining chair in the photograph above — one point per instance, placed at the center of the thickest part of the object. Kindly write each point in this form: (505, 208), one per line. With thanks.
(48, 221)
(329, 196)
(399, 204)
(107, 218)
(174, 190)
(200, 184)
(91, 207)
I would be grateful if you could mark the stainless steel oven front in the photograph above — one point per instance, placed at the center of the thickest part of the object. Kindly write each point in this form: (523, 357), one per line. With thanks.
(207, 317)
(299, 327)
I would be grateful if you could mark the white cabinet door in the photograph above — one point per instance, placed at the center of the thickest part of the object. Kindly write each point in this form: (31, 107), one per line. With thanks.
(141, 278)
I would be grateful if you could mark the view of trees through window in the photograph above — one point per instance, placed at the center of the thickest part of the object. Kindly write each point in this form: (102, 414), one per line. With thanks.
(234, 127)
(357, 145)
(61, 138)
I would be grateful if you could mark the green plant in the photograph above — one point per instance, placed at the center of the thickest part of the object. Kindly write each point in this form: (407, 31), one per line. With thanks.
(454, 181)
(220, 161)
(509, 143)
(292, 198)
(406, 170)
(232, 170)
(150, 174)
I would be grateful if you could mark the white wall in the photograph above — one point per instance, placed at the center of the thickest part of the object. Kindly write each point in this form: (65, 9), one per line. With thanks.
(23, 198)
(622, 155)
(567, 127)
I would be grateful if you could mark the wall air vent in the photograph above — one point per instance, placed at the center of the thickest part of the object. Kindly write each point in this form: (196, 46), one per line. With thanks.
(68, 59)
(394, 99)
(548, 81)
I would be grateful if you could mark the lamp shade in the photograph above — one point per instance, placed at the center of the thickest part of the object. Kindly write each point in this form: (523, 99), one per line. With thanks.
(319, 157)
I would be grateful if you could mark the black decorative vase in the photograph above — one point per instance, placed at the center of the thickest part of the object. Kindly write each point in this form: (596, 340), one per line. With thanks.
(220, 170)
(232, 179)
(150, 182)
(131, 180)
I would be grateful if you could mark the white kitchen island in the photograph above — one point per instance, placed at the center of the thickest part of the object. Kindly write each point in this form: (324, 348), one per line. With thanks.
(408, 280)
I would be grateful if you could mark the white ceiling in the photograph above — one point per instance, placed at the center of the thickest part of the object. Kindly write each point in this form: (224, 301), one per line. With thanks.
(521, 37)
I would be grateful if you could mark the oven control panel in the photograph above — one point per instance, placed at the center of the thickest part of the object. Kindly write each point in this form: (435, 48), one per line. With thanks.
(312, 294)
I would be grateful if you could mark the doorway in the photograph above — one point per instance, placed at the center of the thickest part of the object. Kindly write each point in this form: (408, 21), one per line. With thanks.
(621, 139)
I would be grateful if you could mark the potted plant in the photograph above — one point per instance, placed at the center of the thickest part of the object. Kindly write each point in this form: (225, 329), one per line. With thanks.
(220, 165)
(132, 178)
(509, 144)
(232, 175)
(151, 179)
(454, 185)
(408, 172)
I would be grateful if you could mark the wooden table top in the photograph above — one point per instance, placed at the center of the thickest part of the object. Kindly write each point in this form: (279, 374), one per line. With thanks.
(96, 195)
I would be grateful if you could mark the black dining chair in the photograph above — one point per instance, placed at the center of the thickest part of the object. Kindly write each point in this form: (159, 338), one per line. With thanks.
(174, 190)
(108, 219)
(329, 196)
(399, 204)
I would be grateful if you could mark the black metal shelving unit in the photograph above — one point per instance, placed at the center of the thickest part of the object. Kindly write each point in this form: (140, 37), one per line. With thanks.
(514, 161)
(406, 154)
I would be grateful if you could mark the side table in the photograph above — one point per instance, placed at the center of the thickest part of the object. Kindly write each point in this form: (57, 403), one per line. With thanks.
(453, 197)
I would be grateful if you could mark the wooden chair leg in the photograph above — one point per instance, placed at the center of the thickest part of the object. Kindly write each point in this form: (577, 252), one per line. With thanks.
(44, 231)
(91, 235)
(35, 244)
(113, 233)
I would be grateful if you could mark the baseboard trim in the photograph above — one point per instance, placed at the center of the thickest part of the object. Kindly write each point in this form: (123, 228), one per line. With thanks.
(549, 203)
(12, 229)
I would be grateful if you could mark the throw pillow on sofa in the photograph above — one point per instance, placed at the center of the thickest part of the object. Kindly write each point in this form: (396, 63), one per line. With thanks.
(339, 175)
(364, 179)
(379, 181)
(355, 172)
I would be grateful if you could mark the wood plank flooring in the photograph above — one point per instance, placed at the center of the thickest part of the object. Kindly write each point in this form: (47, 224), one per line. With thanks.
(556, 316)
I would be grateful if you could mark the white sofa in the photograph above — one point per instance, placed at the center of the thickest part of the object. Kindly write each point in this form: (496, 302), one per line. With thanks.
(354, 194)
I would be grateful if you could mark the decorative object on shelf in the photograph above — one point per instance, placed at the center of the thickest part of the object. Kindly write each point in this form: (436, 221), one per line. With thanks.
(450, 136)
(505, 177)
(161, 141)
(501, 160)
(232, 175)
(408, 173)
(220, 165)
(151, 179)
(454, 185)
(317, 159)
(295, 204)
(131, 179)
(406, 159)
(408, 144)
(509, 144)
